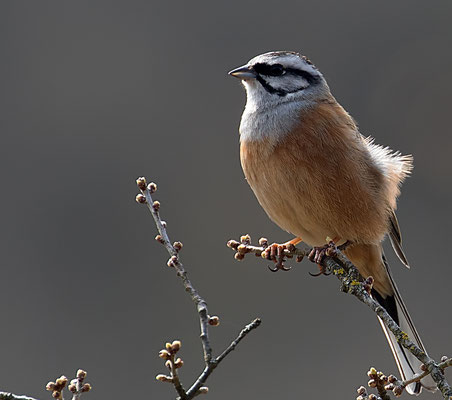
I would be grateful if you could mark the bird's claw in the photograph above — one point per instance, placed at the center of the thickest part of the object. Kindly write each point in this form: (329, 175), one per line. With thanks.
(275, 252)
(317, 254)
(322, 271)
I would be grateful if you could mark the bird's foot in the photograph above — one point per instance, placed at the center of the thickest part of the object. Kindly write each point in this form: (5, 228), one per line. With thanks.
(317, 254)
(276, 253)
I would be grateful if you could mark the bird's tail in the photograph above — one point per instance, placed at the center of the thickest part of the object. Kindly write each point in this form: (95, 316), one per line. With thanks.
(408, 364)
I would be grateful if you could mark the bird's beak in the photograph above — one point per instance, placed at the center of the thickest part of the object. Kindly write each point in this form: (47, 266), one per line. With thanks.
(244, 73)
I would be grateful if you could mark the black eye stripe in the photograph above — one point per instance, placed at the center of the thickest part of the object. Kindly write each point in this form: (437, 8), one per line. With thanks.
(269, 69)
(304, 74)
(279, 70)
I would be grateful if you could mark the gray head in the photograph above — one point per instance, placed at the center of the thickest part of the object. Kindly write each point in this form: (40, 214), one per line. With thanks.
(280, 76)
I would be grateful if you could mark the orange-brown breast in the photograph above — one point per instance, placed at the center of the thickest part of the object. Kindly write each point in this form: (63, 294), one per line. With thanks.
(319, 180)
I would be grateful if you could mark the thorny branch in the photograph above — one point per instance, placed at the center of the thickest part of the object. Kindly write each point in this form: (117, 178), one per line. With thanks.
(334, 262)
(205, 319)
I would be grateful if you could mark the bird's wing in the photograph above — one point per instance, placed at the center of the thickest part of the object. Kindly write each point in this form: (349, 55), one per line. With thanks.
(396, 238)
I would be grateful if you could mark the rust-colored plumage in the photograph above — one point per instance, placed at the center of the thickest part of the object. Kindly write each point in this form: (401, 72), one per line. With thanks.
(308, 185)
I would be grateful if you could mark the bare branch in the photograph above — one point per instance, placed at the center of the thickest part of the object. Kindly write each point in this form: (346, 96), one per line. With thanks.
(209, 369)
(242, 334)
(205, 319)
(154, 207)
(446, 362)
(11, 396)
(335, 262)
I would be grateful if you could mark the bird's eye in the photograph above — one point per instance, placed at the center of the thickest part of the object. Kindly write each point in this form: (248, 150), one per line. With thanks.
(269, 70)
(276, 70)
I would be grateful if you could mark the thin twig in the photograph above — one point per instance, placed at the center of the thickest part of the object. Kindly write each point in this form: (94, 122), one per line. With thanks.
(176, 381)
(11, 396)
(205, 320)
(242, 334)
(209, 369)
(181, 272)
(418, 377)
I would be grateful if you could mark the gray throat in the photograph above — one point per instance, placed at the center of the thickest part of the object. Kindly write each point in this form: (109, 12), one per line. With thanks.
(271, 122)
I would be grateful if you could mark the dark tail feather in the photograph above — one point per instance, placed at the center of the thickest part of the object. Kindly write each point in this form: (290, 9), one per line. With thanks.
(407, 364)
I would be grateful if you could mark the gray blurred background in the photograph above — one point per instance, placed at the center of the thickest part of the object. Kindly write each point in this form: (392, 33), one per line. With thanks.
(96, 93)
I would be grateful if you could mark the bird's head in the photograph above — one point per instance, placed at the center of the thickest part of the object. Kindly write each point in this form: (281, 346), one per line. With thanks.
(280, 76)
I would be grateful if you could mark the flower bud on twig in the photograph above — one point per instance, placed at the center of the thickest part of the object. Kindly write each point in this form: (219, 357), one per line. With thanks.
(214, 320)
(152, 187)
(141, 183)
(172, 262)
(203, 390)
(164, 354)
(392, 379)
(245, 239)
(163, 378)
(361, 390)
(61, 381)
(86, 388)
(81, 374)
(178, 246)
(233, 244)
(397, 391)
(140, 199)
(175, 346)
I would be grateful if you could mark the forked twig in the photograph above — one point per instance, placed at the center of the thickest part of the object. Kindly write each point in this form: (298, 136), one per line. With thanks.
(205, 319)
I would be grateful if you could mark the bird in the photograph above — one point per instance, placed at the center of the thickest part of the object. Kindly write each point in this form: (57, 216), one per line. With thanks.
(317, 177)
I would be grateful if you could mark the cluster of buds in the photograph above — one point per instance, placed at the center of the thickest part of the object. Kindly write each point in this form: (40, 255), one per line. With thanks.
(275, 252)
(152, 187)
(76, 386)
(381, 381)
(57, 387)
(363, 395)
(395, 385)
(241, 247)
(172, 363)
(376, 378)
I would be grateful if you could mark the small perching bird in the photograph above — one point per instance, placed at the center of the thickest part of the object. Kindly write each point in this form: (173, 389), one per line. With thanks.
(316, 176)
